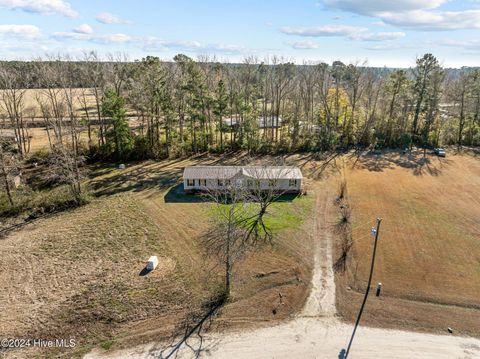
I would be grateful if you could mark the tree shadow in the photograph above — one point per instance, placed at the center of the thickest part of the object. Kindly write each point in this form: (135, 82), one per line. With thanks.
(389, 159)
(322, 164)
(142, 177)
(190, 332)
(176, 194)
(149, 174)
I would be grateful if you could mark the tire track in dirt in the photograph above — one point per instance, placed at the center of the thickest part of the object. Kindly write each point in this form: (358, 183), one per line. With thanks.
(321, 301)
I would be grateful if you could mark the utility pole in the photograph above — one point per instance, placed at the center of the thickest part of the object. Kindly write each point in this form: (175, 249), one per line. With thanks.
(377, 231)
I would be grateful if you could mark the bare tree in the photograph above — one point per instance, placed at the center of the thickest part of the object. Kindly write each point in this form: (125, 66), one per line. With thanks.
(67, 167)
(226, 239)
(265, 185)
(9, 165)
(12, 103)
(241, 206)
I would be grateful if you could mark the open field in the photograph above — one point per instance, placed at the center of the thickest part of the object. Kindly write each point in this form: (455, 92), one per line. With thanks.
(32, 97)
(76, 274)
(428, 257)
(83, 98)
(80, 275)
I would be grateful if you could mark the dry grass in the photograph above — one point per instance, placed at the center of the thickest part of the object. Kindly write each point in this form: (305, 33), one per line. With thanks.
(428, 251)
(76, 274)
(34, 120)
(32, 107)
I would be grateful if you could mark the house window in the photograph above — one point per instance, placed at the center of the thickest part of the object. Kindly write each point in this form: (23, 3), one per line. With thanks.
(190, 182)
(203, 182)
(292, 183)
(220, 183)
(272, 183)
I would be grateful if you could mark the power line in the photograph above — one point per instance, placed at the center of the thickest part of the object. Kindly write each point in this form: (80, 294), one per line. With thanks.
(377, 231)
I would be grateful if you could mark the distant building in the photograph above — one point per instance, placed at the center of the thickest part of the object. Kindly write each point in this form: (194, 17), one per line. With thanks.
(269, 122)
(262, 122)
(231, 122)
(278, 178)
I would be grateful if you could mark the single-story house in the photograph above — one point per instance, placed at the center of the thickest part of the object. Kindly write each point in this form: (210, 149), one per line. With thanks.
(262, 122)
(269, 122)
(278, 178)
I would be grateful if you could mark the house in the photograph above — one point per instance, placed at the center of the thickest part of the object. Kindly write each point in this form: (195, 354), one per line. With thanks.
(283, 179)
(262, 122)
(269, 122)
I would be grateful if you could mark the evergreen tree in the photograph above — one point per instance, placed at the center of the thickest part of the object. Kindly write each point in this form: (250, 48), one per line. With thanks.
(118, 134)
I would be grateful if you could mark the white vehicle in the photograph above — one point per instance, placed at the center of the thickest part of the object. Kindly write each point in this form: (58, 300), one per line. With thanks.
(440, 152)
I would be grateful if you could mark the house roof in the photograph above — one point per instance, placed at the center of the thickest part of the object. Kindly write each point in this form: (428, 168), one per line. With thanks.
(227, 172)
(262, 122)
(269, 121)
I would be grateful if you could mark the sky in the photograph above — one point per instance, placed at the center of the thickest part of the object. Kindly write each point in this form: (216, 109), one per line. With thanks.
(390, 33)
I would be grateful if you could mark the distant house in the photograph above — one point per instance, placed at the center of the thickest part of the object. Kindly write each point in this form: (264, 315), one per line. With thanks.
(231, 122)
(269, 122)
(262, 122)
(278, 178)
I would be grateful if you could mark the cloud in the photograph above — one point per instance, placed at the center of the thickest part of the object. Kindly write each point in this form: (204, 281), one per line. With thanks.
(71, 35)
(45, 7)
(379, 6)
(326, 30)
(108, 18)
(96, 38)
(83, 29)
(434, 20)
(356, 33)
(377, 36)
(153, 43)
(112, 39)
(20, 31)
(389, 47)
(422, 15)
(303, 45)
(471, 46)
(149, 43)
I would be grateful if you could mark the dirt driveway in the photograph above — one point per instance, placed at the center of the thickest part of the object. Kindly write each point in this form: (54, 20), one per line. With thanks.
(316, 333)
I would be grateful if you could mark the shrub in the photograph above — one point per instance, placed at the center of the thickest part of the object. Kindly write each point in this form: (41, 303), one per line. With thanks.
(39, 156)
(37, 203)
(141, 148)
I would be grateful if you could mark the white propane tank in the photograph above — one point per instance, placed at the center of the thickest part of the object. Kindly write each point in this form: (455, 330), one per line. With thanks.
(152, 263)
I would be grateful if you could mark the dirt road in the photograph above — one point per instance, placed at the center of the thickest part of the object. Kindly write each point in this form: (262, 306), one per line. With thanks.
(316, 333)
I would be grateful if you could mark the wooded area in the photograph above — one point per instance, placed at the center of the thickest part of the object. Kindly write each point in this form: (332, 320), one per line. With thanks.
(153, 109)
(194, 106)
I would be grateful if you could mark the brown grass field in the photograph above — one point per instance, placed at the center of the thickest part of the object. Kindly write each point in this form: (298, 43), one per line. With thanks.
(36, 125)
(31, 97)
(76, 274)
(428, 257)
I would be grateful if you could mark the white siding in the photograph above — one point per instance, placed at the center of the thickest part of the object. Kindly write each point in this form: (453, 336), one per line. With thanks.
(280, 184)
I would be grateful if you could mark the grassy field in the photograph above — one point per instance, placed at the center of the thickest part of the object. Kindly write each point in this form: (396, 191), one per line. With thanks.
(31, 98)
(77, 274)
(428, 256)
(33, 116)
(81, 97)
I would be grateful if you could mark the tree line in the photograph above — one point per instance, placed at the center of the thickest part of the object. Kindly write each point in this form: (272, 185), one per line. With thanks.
(155, 109)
